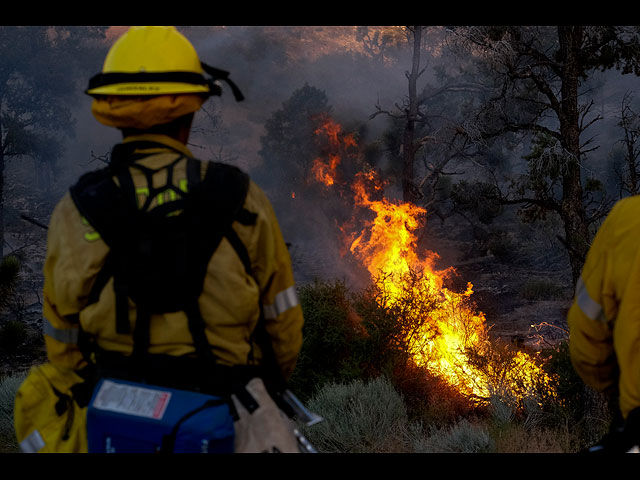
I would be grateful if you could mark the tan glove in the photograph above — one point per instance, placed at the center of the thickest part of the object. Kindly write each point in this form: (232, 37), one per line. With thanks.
(267, 429)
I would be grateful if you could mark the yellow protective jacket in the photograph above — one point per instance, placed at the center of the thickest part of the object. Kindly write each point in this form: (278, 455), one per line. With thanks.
(604, 319)
(230, 302)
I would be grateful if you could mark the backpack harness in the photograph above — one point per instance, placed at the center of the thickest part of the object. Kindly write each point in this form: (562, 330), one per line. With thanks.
(158, 258)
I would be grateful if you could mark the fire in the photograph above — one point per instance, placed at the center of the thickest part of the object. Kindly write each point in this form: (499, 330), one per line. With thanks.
(451, 338)
(389, 247)
(326, 171)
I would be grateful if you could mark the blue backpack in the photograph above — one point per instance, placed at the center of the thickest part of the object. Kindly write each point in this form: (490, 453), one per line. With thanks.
(127, 417)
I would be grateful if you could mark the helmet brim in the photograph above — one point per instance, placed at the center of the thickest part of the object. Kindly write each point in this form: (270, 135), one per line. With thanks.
(155, 88)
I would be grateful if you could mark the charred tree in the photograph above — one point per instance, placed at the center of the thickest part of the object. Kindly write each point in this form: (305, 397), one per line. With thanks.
(422, 137)
(572, 211)
(409, 114)
(409, 148)
(629, 121)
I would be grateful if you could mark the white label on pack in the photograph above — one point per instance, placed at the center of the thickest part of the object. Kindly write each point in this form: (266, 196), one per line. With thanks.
(132, 400)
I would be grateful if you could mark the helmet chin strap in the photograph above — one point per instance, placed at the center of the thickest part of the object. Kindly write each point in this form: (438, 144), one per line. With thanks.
(217, 74)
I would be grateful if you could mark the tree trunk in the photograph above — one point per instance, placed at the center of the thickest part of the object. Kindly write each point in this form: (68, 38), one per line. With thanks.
(630, 136)
(409, 193)
(2, 159)
(572, 208)
(1, 202)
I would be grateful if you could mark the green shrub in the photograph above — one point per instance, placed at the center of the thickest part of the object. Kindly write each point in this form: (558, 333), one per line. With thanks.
(383, 347)
(462, 437)
(9, 270)
(349, 336)
(330, 334)
(501, 245)
(12, 335)
(8, 387)
(588, 412)
(360, 417)
(571, 396)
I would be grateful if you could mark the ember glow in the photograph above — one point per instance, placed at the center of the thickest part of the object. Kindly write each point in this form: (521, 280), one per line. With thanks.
(451, 339)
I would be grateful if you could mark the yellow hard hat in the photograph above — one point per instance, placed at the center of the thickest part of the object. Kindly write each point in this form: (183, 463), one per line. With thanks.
(156, 60)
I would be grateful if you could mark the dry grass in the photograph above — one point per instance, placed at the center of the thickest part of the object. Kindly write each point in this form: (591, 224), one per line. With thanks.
(8, 388)
(516, 438)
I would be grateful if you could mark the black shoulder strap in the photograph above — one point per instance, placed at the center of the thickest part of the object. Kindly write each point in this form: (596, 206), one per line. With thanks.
(220, 201)
(108, 210)
(90, 194)
(213, 204)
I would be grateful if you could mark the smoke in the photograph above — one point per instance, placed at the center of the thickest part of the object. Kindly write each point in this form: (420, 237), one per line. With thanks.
(269, 64)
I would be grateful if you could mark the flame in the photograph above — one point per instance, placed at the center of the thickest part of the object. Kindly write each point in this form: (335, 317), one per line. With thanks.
(390, 246)
(326, 171)
(452, 338)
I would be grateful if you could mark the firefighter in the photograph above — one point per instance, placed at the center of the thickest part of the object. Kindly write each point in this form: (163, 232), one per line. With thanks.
(604, 322)
(150, 87)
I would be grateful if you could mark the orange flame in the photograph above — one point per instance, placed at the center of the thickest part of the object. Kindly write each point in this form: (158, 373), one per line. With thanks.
(451, 328)
(390, 246)
(326, 171)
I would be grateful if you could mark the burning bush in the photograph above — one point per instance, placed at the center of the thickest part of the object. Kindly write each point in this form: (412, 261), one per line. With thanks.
(510, 374)
(407, 316)
(397, 322)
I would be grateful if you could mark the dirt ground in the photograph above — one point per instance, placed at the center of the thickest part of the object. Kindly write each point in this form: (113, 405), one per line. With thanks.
(524, 289)
(511, 316)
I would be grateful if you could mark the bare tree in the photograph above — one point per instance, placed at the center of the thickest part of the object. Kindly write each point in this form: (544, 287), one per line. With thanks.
(409, 112)
(629, 121)
(425, 139)
(409, 144)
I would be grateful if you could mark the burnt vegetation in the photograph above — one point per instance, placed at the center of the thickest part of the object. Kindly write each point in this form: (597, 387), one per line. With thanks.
(515, 140)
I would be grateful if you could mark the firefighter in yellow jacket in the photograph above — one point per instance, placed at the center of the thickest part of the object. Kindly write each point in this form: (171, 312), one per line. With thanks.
(151, 85)
(604, 320)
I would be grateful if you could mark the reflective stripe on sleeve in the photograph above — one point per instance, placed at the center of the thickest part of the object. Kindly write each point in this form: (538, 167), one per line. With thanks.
(32, 443)
(284, 301)
(589, 307)
(63, 335)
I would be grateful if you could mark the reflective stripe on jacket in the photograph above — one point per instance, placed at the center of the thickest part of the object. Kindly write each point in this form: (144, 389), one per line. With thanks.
(604, 320)
(230, 302)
